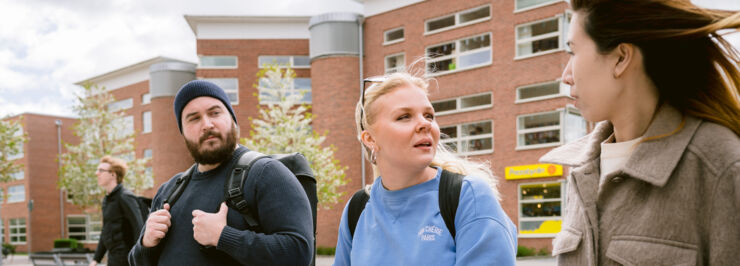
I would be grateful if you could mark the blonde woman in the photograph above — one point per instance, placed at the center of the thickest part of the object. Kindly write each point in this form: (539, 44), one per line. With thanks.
(657, 183)
(401, 222)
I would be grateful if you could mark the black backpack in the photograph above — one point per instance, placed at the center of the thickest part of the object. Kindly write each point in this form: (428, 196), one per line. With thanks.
(295, 162)
(450, 185)
(140, 209)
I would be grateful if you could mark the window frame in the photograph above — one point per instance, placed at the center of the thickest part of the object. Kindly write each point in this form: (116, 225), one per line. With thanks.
(88, 225)
(458, 104)
(551, 2)
(560, 33)
(385, 36)
(561, 127)
(457, 23)
(520, 201)
(144, 122)
(12, 226)
(456, 55)
(291, 61)
(11, 194)
(563, 91)
(235, 66)
(292, 88)
(227, 91)
(146, 98)
(459, 140)
(397, 68)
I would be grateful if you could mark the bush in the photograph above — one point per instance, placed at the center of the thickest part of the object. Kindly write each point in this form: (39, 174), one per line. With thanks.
(543, 252)
(8, 249)
(522, 251)
(65, 243)
(325, 250)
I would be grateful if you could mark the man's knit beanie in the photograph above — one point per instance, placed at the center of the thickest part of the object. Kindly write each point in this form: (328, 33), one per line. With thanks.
(195, 89)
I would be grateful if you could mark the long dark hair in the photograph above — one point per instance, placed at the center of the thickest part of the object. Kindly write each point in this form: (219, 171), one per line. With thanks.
(694, 68)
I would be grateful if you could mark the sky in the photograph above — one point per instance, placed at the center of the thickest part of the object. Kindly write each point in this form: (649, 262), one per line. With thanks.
(48, 45)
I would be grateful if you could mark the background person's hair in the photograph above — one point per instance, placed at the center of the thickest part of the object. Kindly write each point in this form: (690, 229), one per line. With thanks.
(443, 157)
(694, 68)
(117, 166)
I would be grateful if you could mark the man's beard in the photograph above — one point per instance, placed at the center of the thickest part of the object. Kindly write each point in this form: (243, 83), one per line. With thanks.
(219, 154)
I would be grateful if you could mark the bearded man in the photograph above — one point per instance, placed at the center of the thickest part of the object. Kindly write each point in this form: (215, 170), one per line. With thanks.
(199, 229)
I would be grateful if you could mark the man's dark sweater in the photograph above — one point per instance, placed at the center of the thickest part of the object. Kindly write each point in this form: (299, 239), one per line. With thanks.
(285, 236)
(119, 229)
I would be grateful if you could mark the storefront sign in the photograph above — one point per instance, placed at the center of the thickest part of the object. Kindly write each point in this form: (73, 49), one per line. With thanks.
(533, 171)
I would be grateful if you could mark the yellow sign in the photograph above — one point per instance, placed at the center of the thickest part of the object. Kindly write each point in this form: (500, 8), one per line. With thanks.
(533, 171)
(546, 227)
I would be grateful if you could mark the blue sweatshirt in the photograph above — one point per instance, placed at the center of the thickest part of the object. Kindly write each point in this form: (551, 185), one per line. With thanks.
(285, 235)
(404, 227)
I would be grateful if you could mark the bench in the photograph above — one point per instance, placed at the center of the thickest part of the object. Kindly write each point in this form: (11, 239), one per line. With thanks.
(60, 259)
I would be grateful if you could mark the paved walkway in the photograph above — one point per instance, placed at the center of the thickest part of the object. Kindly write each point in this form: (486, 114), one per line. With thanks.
(22, 260)
(328, 260)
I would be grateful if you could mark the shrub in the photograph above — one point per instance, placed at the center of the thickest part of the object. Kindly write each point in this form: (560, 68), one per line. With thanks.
(522, 251)
(543, 252)
(65, 243)
(325, 250)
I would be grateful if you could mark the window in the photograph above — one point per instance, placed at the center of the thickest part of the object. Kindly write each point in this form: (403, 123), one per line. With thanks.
(539, 37)
(146, 122)
(540, 208)
(19, 154)
(17, 230)
(542, 91)
(146, 98)
(395, 63)
(217, 62)
(124, 126)
(121, 105)
(292, 61)
(458, 19)
(460, 54)
(230, 86)
(299, 86)
(393, 36)
(545, 129)
(16, 193)
(148, 153)
(469, 139)
(84, 228)
(531, 4)
(462, 104)
(18, 175)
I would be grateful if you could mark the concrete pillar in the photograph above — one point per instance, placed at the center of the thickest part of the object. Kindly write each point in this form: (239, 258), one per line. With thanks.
(169, 153)
(335, 85)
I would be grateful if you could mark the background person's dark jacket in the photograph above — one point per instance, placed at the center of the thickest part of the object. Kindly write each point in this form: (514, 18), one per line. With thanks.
(119, 228)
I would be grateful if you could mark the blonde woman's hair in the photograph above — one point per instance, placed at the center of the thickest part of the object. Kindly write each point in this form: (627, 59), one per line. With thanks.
(444, 158)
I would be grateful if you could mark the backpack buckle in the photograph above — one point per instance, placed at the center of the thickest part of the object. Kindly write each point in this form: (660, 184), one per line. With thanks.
(234, 192)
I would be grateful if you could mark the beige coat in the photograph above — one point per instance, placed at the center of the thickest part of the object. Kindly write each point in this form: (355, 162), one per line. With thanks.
(675, 202)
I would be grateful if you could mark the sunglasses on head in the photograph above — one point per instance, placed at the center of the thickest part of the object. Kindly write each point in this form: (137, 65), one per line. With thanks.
(373, 79)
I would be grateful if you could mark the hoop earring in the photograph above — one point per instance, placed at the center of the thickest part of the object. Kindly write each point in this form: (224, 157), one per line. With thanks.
(373, 157)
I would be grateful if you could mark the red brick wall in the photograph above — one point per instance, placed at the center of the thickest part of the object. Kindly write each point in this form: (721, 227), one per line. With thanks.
(336, 88)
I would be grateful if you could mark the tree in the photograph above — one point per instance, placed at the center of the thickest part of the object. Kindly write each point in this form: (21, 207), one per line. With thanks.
(11, 144)
(102, 131)
(284, 126)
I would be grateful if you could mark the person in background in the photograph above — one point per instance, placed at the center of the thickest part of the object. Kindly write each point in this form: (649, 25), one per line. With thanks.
(121, 218)
(401, 222)
(658, 181)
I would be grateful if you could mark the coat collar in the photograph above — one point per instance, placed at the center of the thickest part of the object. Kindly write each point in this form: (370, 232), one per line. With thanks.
(653, 160)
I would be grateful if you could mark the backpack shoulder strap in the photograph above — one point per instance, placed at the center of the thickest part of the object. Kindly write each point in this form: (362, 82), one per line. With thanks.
(354, 210)
(233, 188)
(450, 185)
(180, 184)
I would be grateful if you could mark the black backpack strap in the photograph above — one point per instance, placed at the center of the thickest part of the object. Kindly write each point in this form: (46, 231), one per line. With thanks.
(180, 184)
(450, 185)
(233, 188)
(354, 210)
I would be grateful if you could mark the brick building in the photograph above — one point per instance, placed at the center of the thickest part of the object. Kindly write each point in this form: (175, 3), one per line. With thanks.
(497, 93)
